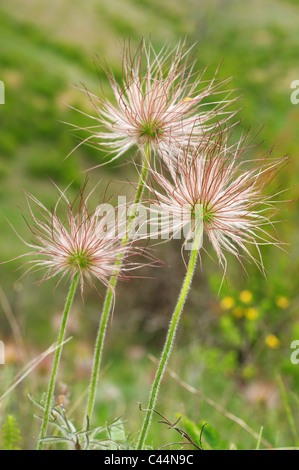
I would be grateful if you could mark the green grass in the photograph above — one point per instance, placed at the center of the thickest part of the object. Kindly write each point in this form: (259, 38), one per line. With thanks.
(43, 52)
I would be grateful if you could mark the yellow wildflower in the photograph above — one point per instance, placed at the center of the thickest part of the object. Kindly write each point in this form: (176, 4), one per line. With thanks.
(227, 303)
(246, 296)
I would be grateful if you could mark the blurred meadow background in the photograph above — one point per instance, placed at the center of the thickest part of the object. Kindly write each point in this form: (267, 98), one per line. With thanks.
(232, 352)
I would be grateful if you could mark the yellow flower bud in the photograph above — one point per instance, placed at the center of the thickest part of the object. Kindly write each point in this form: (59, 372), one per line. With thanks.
(227, 303)
(246, 296)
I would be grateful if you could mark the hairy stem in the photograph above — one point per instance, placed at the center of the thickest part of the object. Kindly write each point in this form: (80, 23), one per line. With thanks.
(169, 342)
(109, 298)
(61, 336)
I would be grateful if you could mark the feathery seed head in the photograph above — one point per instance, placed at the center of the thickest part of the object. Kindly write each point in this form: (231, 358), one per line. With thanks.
(229, 189)
(76, 241)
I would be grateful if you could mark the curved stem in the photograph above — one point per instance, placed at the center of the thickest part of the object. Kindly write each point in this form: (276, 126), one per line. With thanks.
(109, 298)
(169, 342)
(61, 336)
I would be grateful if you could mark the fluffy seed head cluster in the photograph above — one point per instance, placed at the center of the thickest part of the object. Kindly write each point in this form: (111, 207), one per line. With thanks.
(70, 240)
(230, 191)
(161, 101)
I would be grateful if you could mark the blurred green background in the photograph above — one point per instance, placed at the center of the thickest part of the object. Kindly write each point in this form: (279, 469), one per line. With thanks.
(233, 347)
